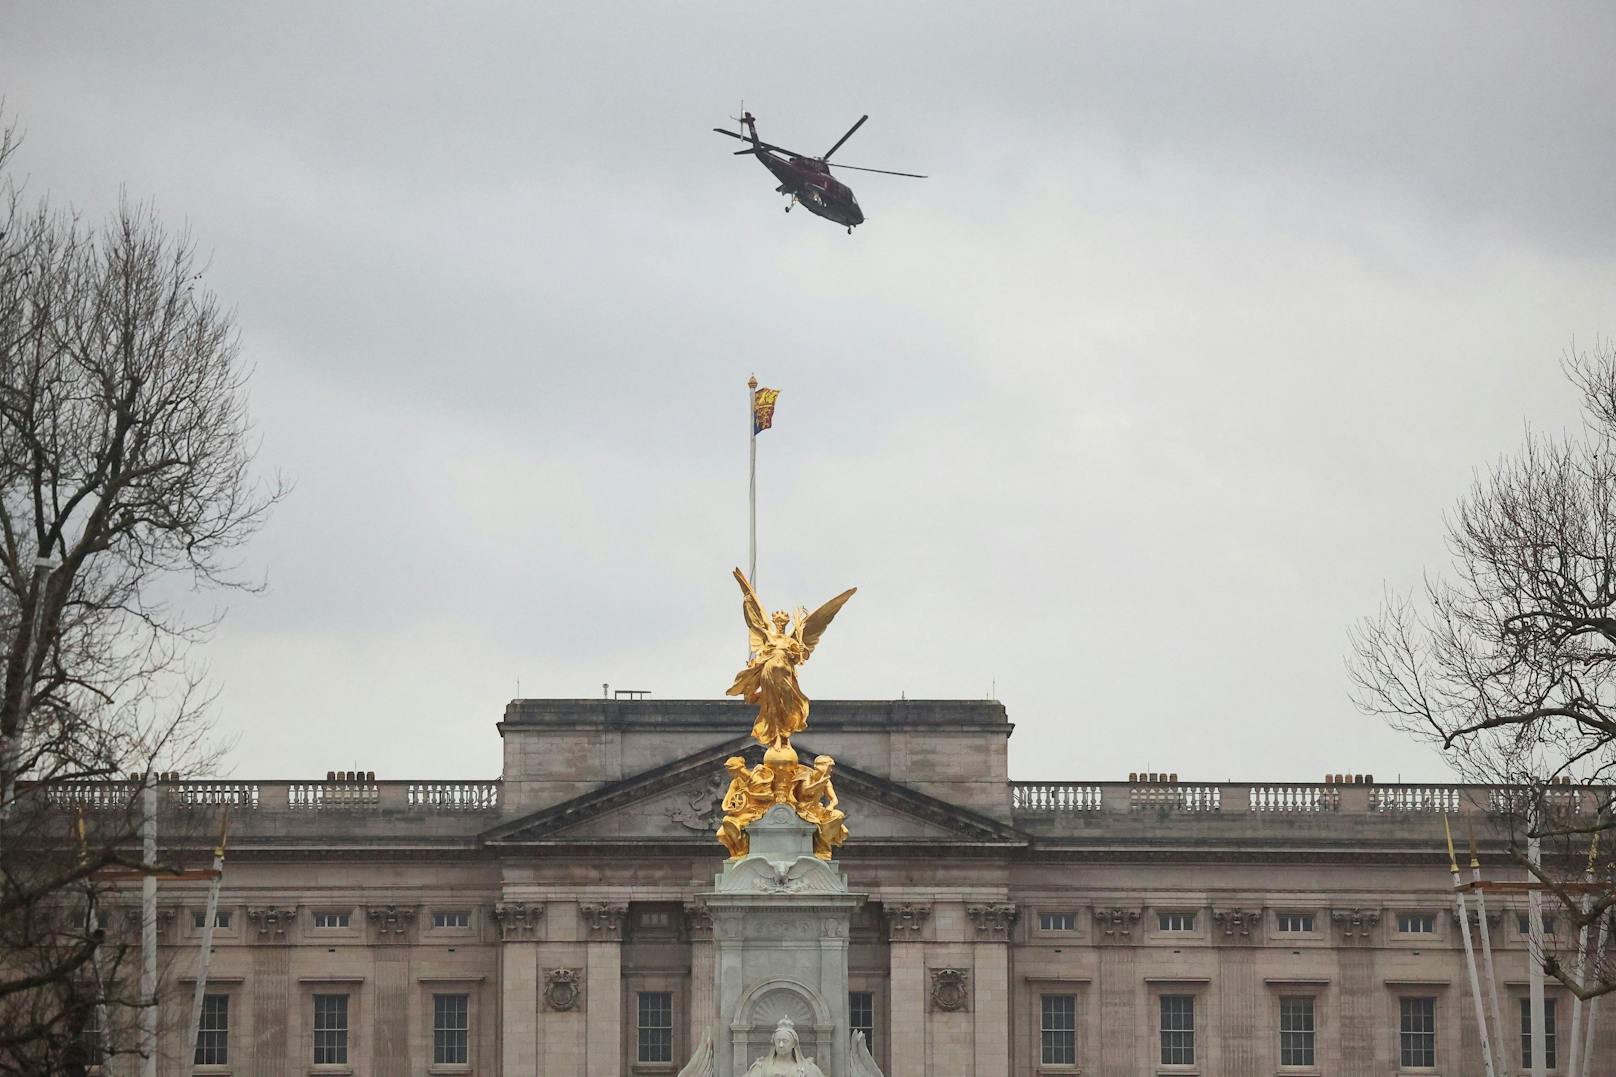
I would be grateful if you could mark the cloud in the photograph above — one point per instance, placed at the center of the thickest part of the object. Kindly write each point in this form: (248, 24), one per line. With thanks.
(1202, 319)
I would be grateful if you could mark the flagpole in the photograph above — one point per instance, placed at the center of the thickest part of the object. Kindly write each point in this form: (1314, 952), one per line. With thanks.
(751, 495)
(1593, 1003)
(1470, 954)
(1487, 956)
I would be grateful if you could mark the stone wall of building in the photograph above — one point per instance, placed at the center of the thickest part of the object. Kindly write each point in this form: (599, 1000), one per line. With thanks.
(553, 898)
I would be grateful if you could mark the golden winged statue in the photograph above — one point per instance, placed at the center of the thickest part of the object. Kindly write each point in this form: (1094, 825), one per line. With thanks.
(779, 645)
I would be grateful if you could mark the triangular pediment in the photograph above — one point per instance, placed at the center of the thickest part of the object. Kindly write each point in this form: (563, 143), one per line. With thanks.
(678, 805)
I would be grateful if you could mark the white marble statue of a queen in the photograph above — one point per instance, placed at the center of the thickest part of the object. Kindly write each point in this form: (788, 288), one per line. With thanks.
(785, 1056)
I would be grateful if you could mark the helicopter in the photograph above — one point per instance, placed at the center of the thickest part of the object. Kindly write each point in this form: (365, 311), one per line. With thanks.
(807, 180)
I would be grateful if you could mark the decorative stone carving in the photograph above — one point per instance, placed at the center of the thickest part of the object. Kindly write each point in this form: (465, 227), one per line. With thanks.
(904, 922)
(1236, 921)
(518, 919)
(604, 920)
(1116, 922)
(563, 989)
(1355, 923)
(391, 920)
(700, 807)
(757, 875)
(271, 921)
(992, 921)
(950, 989)
(698, 922)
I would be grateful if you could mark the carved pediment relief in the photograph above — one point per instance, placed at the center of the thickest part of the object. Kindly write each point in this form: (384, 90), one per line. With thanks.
(680, 803)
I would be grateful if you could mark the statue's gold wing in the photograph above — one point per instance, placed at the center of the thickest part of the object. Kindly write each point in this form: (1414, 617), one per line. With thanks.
(757, 625)
(816, 623)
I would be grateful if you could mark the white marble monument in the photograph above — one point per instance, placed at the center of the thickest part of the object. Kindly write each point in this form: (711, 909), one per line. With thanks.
(781, 920)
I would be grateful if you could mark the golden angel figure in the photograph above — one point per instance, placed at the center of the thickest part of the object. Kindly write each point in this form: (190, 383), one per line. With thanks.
(779, 645)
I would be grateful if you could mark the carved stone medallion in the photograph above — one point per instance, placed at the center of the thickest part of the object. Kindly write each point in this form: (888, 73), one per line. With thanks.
(562, 990)
(949, 989)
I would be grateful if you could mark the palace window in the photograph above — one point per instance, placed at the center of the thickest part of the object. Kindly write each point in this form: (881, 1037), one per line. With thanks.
(1417, 1031)
(456, 918)
(1178, 1030)
(1296, 921)
(330, 1030)
(1059, 1027)
(213, 1034)
(199, 919)
(1296, 1031)
(861, 1010)
(1523, 923)
(1056, 921)
(331, 919)
(451, 1030)
(1176, 921)
(1548, 1033)
(90, 1039)
(1416, 923)
(656, 1026)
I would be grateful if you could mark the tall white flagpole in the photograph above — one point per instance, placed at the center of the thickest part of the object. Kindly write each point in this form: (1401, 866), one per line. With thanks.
(195, 1027)
(148, 926)
(1487, 959)
(751, 496)
(1534, 962)
(1470, 954)
(1593, 1003)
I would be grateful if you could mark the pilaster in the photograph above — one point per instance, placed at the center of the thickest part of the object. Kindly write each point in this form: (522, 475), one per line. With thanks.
(703, 1008)
(518, 984)
(905, 927)
(603, 1018)
(991, 991)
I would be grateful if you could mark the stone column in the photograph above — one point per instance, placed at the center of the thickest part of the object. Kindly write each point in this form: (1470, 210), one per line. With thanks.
(518, 985)
(603, 930)
(991, 958)
(905, 924)
(703, 1007)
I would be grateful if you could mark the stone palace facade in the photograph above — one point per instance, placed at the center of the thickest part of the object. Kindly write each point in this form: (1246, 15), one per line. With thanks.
(551, 922)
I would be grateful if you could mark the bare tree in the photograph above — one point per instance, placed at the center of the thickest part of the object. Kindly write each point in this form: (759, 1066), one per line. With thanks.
(1507, 663)
(126, 483)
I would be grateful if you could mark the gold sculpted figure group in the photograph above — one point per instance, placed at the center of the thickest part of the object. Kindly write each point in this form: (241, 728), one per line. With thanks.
(779, 645)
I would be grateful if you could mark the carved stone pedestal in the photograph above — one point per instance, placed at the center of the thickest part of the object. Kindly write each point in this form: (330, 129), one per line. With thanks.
(781, 921)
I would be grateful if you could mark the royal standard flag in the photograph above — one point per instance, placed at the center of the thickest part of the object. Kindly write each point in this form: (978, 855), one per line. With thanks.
(763, 409)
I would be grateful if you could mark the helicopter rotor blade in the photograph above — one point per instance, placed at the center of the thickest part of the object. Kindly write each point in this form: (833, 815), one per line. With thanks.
(845, 137)
(884, 171)
(760, 144)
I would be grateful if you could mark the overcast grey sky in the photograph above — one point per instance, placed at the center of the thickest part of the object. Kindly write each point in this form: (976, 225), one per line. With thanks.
(1206, 315)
